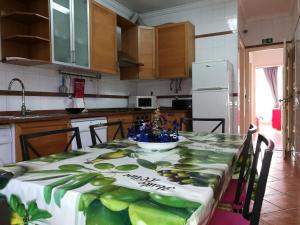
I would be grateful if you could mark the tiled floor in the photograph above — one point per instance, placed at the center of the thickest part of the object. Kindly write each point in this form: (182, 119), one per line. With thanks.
(270, 132)
(282, 198)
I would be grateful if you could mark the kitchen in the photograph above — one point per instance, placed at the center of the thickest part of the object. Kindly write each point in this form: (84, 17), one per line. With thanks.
(66, 61)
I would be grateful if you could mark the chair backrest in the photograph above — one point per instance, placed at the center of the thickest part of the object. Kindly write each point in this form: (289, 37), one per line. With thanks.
(95, 137)
(254, 214)
(244, 157)
(26, 146)
(190, 120)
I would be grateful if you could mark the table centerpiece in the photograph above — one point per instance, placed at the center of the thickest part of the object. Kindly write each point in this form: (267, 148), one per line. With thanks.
(152, 135)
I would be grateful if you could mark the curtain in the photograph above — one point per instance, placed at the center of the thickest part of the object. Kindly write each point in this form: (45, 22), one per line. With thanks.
(271, 76)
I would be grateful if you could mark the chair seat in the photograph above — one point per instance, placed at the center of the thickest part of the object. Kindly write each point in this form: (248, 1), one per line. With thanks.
(221, 217)
(229, 195)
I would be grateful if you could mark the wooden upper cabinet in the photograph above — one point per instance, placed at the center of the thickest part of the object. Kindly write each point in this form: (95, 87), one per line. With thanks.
(175, 49)
(139, 44)
(103, 39)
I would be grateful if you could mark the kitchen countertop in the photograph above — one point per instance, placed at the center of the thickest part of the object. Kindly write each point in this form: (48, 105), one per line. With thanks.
(14, 117)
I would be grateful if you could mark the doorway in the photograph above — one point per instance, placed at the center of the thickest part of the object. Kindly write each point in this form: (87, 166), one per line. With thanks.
(248, 65)
(267, 90)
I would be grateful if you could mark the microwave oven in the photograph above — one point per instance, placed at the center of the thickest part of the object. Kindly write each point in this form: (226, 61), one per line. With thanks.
(143, 102)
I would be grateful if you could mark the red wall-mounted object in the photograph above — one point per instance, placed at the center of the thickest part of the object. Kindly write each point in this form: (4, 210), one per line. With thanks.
(79, 88)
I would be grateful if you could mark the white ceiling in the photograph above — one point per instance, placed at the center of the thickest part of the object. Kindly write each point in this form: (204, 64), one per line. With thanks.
(142, 6)
(252, 9)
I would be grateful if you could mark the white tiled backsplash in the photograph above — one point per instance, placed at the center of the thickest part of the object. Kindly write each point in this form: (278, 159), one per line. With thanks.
(46, 80)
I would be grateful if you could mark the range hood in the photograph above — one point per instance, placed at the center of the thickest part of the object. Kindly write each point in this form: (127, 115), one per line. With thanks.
(126, 61)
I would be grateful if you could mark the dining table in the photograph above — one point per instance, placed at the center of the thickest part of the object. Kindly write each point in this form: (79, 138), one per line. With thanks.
(119, 183)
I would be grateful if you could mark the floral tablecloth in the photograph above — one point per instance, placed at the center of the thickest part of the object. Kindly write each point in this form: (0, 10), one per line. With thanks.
(119, 184)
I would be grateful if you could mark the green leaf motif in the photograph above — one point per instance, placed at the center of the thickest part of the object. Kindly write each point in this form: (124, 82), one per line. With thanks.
(71, 167)
(146, 164)
(48, 188)
(76, 182)
(14, 202)
(104, 166)
(163, 163)
(127, 167)
(21, 210)
(27, 215)
(32, 207)
(40, 214)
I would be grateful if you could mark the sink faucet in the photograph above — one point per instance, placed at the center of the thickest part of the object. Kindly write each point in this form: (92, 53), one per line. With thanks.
(23, 107)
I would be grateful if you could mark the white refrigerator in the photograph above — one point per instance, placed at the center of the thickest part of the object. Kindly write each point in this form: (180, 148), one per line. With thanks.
(213, 96)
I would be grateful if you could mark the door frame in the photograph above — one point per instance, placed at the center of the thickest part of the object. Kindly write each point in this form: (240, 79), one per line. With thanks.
(247, 88)
(247, 85)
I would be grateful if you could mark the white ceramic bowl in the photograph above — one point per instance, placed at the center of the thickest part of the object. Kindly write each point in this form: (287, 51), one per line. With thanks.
(157, 146)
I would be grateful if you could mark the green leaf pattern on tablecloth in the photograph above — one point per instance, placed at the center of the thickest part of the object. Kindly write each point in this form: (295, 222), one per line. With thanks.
(118, 205)
(26, 215)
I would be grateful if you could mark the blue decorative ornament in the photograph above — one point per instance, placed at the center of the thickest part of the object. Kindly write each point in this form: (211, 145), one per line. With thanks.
(154, 131)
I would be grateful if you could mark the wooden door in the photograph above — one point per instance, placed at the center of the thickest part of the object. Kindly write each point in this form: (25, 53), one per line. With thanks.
(175, 49)
(287, 100)
(146, 52)
(45, 145)
(103, 35)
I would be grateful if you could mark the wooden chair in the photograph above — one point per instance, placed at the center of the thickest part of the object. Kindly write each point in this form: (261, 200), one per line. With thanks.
(250, 217)
(189, 123)
(235, 194)
(95, 137)
(26, 146)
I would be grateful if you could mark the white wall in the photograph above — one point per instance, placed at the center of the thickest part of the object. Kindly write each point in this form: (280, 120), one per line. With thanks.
(278, 27)
(46, 80)
(270, 57)
(208, 16)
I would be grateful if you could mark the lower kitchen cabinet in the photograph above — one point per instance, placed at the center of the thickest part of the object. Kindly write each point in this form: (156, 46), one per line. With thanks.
(174, 116)
(126, 119)
(50, 144)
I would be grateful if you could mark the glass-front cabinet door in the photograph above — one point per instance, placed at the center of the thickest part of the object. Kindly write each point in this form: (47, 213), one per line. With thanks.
(61, 30)
(70, 33)
(81, 37)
